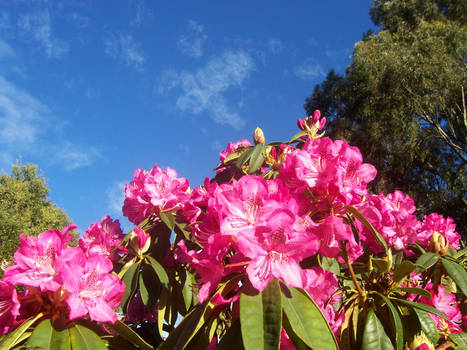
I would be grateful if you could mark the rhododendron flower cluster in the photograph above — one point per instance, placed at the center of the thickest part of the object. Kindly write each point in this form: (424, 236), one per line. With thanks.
(279, 223)
(62, 281)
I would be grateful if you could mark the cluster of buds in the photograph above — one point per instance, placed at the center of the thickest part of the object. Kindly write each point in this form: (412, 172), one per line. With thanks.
(312, 124)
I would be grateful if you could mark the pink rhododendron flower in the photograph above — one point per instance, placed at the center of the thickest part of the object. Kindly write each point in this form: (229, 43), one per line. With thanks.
(437, 223)
(9, 307)
(320, 284)
(276, 249)
(154, 191)
(39, 260)
(138, 313)
(93, 289)
(103, 238)
(447, 304)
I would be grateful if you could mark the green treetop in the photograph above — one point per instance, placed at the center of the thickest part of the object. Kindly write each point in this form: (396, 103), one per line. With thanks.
(402, 102)
(25, 208)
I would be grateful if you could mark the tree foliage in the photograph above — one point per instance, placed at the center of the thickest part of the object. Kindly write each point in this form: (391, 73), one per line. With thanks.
(402, 101)
(25, 207)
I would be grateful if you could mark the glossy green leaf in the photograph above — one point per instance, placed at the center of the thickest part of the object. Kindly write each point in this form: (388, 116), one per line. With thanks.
(457, 273)
(374, 336)
(368, 225)
(130, 278)
(179, 338)
(261, 318)
(149, 287)
(129, 334)
(397, 327)
(160, 271)
(168, 219)
(82, 338)
(244, 158)
(420, 306)
(234, 155)
(402, 271)
(307, 321)
(187, 290)
(428, 326)
(11, 339)
(427, 260)
(41, 336)
(296, 340)
(161, 309)
(256, 159)
(459, 338)
(381, 264)
(297, 135)
(418, 291)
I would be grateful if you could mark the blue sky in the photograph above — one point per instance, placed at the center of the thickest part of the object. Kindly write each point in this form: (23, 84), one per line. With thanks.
(92, 90)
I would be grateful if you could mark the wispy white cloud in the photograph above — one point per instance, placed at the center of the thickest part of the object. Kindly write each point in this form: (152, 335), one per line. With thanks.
(28, 126)
(39, 27)
(73, 156)
(203, 90)
(191, 42)
(5, 49)
(309, 70)
(142, 14)
(124, 48)
(79, 20)
(275, 46)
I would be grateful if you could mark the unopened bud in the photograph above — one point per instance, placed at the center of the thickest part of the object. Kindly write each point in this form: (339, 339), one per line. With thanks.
(258, 136)
(438, 244)
(421, 342)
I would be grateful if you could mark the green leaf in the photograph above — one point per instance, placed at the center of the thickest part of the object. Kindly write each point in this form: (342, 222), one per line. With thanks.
(82, 338)
(330, 264)
(41, 336)
(417, 291)
(256, 159)
(427, 260)
(168, 219)
(179, 338)
(297, 342)
(398, 329)
(381, 264)
(420, 306)
(459, 338)
(457, 273)
(428, 326)
(130, 278)
(12, 338)
(307, 321)
(297, 135)
(402, 271)
(374, 336)
(261, 318)
(245, 157)
(149, 287)
(368, 225)
(129, 334)
(160, 271)
(187, 290)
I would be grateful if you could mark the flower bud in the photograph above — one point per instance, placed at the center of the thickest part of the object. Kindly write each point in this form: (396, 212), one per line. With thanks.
(438, 244)
(258, 136)
(421, 342)
(140, 242)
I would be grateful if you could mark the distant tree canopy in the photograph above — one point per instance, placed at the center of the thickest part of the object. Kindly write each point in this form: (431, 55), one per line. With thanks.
(25, 208)
(402, 102)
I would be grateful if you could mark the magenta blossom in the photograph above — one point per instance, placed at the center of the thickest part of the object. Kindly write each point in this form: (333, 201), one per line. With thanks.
(152, 192)
(39, 260)
(9, 307)
(103, 238)
(276, 249)
(93, 289)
